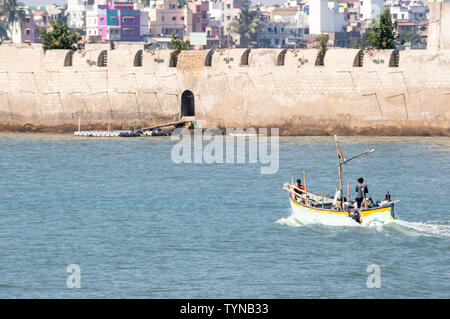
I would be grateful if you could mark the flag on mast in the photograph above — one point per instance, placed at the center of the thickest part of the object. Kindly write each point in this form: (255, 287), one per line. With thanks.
(341, 157)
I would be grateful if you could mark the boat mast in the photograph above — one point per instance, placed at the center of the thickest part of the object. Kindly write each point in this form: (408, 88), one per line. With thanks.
(341, 160)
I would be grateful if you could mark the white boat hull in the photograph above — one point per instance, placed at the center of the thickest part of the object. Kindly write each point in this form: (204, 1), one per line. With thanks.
(373, 217)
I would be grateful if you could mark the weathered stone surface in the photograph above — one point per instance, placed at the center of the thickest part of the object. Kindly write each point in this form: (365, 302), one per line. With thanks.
(241, 88)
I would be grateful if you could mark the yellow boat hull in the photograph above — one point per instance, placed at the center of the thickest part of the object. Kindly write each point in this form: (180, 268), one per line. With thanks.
(371, 217)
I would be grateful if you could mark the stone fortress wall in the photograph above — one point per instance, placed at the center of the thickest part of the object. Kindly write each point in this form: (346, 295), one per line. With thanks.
(387, 92)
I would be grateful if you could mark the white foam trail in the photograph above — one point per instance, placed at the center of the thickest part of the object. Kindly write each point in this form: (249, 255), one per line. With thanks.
(426, 228)
(289, 221)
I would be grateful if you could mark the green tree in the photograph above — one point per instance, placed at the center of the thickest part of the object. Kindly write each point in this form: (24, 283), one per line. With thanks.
(381, 33)
(13, 14)
(179, 45)
(322, 43)
(322, 46)
(247, 24)
(59, 37)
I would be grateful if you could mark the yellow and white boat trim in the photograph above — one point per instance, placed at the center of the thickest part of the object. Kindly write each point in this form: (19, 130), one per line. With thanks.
(313, 215)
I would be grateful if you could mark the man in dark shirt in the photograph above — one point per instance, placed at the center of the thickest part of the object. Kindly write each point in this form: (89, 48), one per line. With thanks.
(362, 190)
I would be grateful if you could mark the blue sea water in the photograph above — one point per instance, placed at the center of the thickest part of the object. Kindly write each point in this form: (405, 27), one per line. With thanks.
(140, 226)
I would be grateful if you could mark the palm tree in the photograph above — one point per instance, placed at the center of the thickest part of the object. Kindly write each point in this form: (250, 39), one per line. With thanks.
(13, 14)
(3, 31)
(246, 25)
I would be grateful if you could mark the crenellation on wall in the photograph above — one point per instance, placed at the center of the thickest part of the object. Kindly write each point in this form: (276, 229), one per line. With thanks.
(300, 58)
(299, 97)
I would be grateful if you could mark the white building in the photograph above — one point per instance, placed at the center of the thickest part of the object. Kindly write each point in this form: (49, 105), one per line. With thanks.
(324, 17)
(144, 22)
(92, 21)
(224, 12)
(370, 9)
(76, 14)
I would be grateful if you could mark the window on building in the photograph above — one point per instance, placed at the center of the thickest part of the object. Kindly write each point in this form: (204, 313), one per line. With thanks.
(128, 31)
(27, 20)
(198, 8)
(174, 18)
(27, 31)
(182, 18)
(228, 6)
(228, 18)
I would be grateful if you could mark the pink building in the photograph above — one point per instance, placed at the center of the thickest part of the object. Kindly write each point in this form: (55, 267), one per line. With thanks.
(119, 21)
(200, 15)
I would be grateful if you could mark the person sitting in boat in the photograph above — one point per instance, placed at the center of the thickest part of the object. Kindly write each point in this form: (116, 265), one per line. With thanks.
(386, 199)
(298, 185)
(367, 203)
(362, 190)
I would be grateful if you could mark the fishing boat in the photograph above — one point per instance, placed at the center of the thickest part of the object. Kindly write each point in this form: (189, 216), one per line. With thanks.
(314, 208)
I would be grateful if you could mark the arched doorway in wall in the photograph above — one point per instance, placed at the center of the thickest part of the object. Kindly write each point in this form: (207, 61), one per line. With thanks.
(187, 104)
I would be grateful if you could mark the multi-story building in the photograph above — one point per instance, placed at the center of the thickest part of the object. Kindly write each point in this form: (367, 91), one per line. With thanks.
(325, 17)
(413, 18)
(115, 21)
(274, 34)
(29, 32)
(76, 14)
(224, 11)
(92, 21)
(166, 17)
(296, 18)
(119, 21)
(370, 9)
(200, 15)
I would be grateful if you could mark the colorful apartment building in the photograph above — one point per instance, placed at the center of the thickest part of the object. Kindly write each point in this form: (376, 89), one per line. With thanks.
(119, 21)
(116, 21)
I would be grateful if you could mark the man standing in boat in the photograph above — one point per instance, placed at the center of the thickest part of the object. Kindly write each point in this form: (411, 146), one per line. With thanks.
(362, 190)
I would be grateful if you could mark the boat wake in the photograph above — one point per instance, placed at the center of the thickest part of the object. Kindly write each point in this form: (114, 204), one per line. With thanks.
(290, 221)
(435, 228)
